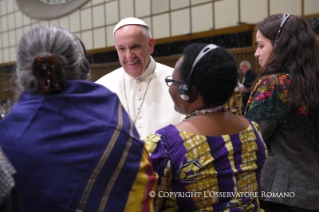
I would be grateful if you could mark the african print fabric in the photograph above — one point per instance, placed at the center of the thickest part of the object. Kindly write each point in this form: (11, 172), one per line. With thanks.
(207, 173)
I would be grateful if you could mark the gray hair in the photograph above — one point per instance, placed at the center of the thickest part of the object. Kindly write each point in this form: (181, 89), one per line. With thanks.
(247, 63)
(50, 40)
(146, 32)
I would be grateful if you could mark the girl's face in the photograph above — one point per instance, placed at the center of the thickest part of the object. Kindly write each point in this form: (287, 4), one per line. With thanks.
(264, 48)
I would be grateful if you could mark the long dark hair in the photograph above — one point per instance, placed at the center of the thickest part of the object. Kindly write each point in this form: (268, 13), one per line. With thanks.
(296, 53)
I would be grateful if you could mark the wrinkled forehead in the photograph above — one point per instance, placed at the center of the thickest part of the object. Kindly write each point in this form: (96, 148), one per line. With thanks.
(129, 31)
(129, 35)
(244, 65)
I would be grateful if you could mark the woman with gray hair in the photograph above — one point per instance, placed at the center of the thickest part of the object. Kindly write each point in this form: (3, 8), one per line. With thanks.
(71, 142)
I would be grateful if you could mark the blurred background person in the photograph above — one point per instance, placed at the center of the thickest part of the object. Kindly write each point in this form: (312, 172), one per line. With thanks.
(71, 142)
(285, 104)
(248, 78)
(211, 150)
(140, 82)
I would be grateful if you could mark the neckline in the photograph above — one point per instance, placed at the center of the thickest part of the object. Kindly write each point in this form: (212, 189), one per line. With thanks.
(214, 136)
(219, 109)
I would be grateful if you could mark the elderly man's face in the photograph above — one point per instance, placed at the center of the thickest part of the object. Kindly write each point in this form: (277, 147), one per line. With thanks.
(134, 49)
(243, 67)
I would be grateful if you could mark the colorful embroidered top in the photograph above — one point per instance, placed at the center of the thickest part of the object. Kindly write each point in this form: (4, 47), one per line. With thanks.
(198, 169)
(291, 140)
(268, 100)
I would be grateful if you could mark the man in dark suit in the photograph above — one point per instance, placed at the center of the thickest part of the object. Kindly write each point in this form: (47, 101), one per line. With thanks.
(248, 78)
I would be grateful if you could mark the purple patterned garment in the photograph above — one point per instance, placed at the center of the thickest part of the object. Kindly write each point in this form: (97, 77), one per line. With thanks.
(209, 173)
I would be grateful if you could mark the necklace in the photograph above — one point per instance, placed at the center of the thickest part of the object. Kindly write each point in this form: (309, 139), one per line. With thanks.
(219, 109)
(140, 108)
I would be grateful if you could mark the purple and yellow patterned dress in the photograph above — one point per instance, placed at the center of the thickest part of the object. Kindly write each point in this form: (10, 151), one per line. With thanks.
(207, 173)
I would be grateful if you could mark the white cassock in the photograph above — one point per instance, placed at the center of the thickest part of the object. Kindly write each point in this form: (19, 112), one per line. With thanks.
(145, 98)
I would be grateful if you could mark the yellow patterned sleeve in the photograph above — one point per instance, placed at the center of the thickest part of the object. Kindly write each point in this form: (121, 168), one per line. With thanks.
(257, 129)
(162, 203)
(151, 142)
(165, 204)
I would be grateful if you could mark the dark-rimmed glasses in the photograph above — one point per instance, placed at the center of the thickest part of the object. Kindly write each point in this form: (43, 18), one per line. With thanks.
(169, 81)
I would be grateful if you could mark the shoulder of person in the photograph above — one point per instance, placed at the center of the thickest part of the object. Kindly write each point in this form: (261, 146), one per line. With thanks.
(272, 85)
(274, 80)
(162, 71)
(111, 76)
(164, 67)
(151, 142)
(253, 73)
(256, 125)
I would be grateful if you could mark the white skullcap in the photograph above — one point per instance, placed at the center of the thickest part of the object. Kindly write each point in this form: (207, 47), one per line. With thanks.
(129, 21)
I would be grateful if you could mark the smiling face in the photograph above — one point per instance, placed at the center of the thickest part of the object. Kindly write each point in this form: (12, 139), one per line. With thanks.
(134, 49)
(264, 48)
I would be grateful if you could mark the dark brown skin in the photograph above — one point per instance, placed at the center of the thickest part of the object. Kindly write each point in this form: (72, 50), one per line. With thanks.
(215, 124)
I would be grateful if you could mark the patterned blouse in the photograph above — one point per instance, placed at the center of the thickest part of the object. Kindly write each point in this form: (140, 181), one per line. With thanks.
(292, 140)
(268, 100)
(207, 173)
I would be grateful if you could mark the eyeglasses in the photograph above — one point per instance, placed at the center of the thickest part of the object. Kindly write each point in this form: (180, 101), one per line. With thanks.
(169, 81)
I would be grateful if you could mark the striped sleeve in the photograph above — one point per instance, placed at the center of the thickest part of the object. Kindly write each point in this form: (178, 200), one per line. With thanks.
(144, 184)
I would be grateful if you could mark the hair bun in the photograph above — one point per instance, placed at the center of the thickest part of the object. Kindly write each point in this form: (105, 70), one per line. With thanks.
(48, 71)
